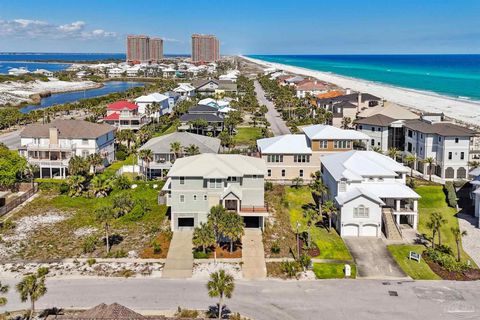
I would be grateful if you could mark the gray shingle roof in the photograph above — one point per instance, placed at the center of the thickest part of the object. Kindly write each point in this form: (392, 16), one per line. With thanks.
(194, 116)
(162, 144)
(77, 129)
(376, 120)
(440, 128)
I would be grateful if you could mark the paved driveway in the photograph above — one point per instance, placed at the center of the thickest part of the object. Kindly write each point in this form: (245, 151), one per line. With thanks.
(277, 124)
(11, 140)
(470, 242)
(373, 259)
(253, 255)
(179, 263)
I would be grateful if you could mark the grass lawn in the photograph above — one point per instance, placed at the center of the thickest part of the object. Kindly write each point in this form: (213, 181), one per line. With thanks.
(332, 270)
(246, 136)
(411, 267)
(330, 243)
(433, 200)
(171, 129)
(58, 241)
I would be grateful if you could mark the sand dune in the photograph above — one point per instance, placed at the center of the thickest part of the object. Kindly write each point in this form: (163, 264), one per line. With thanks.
(460, 110)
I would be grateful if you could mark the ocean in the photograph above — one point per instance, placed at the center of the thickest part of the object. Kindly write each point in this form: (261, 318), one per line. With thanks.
(457, 76)
(55, 61)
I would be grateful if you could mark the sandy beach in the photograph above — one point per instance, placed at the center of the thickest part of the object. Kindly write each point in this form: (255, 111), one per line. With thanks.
(15, 93)
(460, 110)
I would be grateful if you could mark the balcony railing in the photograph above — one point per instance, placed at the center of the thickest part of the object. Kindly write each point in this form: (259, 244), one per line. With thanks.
(51, 147)
(259, 209)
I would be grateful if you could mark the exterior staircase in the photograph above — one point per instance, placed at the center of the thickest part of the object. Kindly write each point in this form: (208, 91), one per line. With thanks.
(392, 231)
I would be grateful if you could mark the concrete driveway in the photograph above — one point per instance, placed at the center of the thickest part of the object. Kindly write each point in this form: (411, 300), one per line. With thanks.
(253, 255)
(179, 263)
(373, 259)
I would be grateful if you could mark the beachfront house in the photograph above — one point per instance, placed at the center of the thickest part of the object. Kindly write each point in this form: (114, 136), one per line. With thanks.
(447, 143)
(164, 156)
(369, 192)
(311, 87)
(475, 193)
(195, 184)
(50, 146)
(124, 115)
(292, 156)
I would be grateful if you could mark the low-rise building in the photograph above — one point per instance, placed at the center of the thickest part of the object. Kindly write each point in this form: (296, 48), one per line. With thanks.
(50, 146)
(312, 87)
(369, 191)
(195, 184)
(185, 90)
(299, 155)
(210, 115)
(154, 105)
(214, 86)
(124, 115)
(164, 156)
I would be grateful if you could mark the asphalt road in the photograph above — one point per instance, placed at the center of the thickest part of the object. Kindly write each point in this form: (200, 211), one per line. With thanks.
(277, 124)
(274, 299)
(11, 139)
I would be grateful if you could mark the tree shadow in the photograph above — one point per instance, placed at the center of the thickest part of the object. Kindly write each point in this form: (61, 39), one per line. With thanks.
(113, 239)
(212, 312)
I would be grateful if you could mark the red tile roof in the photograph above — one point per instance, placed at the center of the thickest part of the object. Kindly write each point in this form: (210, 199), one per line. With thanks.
(112, 116)
(311, 86)
(122, 104)
(330, 94)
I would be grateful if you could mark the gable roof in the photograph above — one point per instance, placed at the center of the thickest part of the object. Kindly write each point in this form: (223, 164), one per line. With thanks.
(209, 165)
(202, 108)
(162, 144)
(324, 132)
(289, 144)
(202, 82)
(184, 87)
(121, 105)
(355, 165)
(153, 97)
(440, 128)
(389, 109)
(75, 129)
(210, 117)
(311, 86)
(376, 120)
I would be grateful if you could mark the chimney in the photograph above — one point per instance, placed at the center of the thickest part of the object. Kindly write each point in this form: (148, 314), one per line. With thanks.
(359, 100)
(53, 136)
(348, 91)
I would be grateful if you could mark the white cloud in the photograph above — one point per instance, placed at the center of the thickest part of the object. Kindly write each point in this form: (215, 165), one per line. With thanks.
(24, 28)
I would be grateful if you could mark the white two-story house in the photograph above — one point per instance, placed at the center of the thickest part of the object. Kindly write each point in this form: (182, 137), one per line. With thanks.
(447, 143)
(197, 183)
(51, 145)
(369, 191)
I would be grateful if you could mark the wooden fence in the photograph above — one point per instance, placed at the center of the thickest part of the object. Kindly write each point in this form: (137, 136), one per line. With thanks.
(18, 201)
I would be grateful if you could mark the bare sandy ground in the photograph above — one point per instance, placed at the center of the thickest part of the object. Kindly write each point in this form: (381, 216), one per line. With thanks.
(460, 110)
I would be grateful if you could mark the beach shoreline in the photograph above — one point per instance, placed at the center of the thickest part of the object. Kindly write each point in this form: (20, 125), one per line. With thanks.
(463, 111)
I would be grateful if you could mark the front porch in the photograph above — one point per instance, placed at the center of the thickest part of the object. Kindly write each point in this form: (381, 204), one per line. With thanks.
(404, 211)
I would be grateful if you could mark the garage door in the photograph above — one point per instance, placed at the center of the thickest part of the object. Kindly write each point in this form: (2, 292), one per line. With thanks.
(369, 230)
(186, 222)
(350, 230)
(251, 222)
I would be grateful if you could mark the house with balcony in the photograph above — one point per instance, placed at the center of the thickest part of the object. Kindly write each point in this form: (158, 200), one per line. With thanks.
(447, 143)
(164, 156)
(125, 115)
(370, 194)
(195, 184)
(50, 146)
(211, 116)
(153, 105)
(293, 156)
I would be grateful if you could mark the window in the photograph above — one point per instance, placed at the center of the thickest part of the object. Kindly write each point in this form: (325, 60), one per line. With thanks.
(342, 186)
(301, 173)
(85, 142)
(232, 179)
(301, 158)
(379, 129)
(85, 153)
(323, 144)
(439, 139)
(462, 155)
(373, 129)
(342, 144)
(361, 212)
(205, 198)
(421, 136)
(372, 142)
(215, 183)
(360, 127)
(182, 180)
(275, 158)
(283, 172)
(182, 198)
(194, 197)
(269, 172)
(409, 147)
(456, 140)
(410, 133)
(36, 140)
(449, 156)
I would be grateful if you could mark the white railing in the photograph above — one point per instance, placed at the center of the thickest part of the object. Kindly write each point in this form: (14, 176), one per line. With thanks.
(51, 146)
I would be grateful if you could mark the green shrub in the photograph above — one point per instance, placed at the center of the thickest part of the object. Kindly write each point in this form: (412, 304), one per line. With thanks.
(118, 254)
(268, 186)
(444, 249)
(186, 313)
(136, 214)
(200, 255)
(89, 244)
(120, 155)
(451, 194)
(305, 261)
(290, 268)
(8, 224)
(122, 182)
(55, 185)
(91, 262)
(157, 248)
(275, 248)
(447, 261)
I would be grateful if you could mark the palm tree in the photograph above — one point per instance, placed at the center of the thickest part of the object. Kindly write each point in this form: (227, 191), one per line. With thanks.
(329, 208)
(129, 136)
(147, 156)
(393, 153)
(78, 166)
(346, 121)
(221, 285)
(30, 171)
(410, 161)
(430, 161)
(458, 234)
(100, 186)
(311, 217)
(104, 215)
(192, 150)
(435, 223)
(231, 226)
(32, 287)
(377, 149)
(474, 164)
(75, 185)
(215, 219)
(203, 236)
(297, 182)
(176, 149)
(95, 159)
(225, 138)
(3, 290)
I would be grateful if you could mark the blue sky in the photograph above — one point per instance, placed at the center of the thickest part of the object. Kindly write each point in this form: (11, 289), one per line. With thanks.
(262, 26)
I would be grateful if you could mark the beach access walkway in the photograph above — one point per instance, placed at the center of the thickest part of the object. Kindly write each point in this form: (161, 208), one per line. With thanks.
(277, 124)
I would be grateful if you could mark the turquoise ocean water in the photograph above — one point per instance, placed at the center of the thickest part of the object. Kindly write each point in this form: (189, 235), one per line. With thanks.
(457, 76)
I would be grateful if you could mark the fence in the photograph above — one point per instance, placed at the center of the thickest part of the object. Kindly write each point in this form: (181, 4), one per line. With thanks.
(18, 201)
